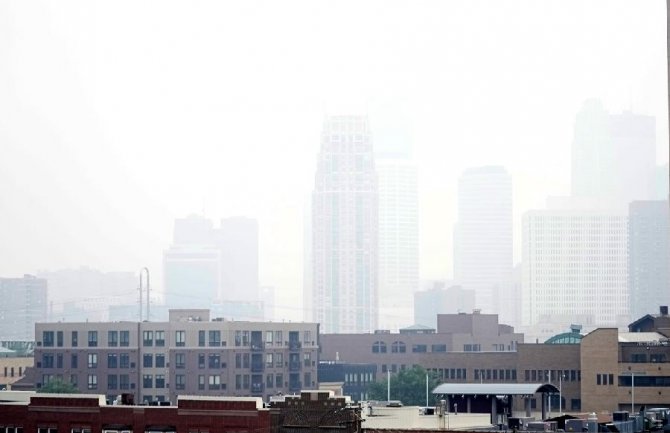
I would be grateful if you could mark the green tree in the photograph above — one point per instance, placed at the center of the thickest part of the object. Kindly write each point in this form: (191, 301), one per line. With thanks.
(408, 386)
(57, 386)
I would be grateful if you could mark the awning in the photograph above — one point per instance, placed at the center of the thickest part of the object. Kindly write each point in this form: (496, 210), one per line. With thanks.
(494, 388)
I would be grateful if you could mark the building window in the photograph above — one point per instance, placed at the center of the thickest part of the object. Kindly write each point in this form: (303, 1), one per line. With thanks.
(279, 360)
(278, 338)
(160, 381)
(201, 338)
(419, 348)
(124, 381)
(47, 360)
(92, 360)
(238, 381)
(180, 360)
(398, 347)
(268, 337)
(147, 381)
(379, 347)
(214, 360)
(201, 360)
(73, 361)
(75, 338)
(269, 381)
(92, 338)
(59, 338)
(308, 380)
(279, 380)
(214, 381)
(112, 381)
(215, 338)
(112, 338)
(147, 338)
(125, 339)
(576, 404)
(147, 360)
(180, 381)
(112, 360)
(48, 338)
(160, 338)
(269, 360)
(307, 359)
(92, 381)
(307, 337)
(124, 360)
(238, 338)
(160, 360)
(180, 338)
(438, 348)
(201, 381)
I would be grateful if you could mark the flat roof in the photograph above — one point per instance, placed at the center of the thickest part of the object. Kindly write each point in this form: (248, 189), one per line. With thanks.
(494, 388)
(641, 337)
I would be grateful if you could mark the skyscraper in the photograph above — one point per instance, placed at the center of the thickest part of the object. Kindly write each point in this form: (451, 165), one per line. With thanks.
(648, 256)
(613, 155)
(238, 241)
(345, 228)
(24, 302)
(398, 240)
(483, 238)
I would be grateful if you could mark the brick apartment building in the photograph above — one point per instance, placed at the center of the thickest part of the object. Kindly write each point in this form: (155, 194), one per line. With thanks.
(190, 354)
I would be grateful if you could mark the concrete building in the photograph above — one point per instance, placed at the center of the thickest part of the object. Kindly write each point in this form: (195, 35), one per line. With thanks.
(345, 228)
(428, 304)
(575, 270)
(613, 155)
(648, 256)
(398, 240)
(189, 354)
(24, 302)
(483, 238)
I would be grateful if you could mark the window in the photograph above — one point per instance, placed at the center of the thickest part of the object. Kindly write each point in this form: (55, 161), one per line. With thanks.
(201, 338)
(307, 337)
(160, 338)
(180, 338)
(180, 381)
(419, 348)
(47, 360)
(160, 381)
(214, 381)
(398, 347)
(59, 338)
(112, 381)
(147, 338)
(245, 338)
(147, 381)
(269, 381)
(48, 338)
(215, 338)
(75, 338)
(438, 348)
(73, 379)
(214, 360)
(113, 338)
(279, 360)
(147, 360)
(279, 380)
(124, 360)
(245, 360)
(125, 338)
(160, 360)
(379, 347)
(92, 360)
(112, 360)
(238, 381)
(93, 339)
(245, 381)
(269, 361)
(307, 359)
(238, 338)
(92, 381)
(308, 380)
(268, 337)
(278, 338)
(201, 360)
(124, 381)
(201, 381)
(180, 360)
(73, 361)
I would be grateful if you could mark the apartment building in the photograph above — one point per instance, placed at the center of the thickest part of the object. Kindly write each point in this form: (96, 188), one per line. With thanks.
(187, 355)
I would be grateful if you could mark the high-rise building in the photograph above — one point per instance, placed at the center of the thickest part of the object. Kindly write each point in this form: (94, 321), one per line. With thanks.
(24, 302)
(575, 269)
(345, 228)
(613, 155)
(428, 304)
(237, 238)
(398, 240)
(648, 256)
(483, 238)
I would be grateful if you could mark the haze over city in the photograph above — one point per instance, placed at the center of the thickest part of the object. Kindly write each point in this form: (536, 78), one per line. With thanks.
(114, 124)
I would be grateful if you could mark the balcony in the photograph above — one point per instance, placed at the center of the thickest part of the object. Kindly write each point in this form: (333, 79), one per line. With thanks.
(256, 388)
(257, 346)
(294, 345)
(294, 366)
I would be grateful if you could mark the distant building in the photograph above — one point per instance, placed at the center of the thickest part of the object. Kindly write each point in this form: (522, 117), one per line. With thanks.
(648, 256)
(483, 238)
(440, 300)
(189, 354)
(613, 155)
(345, 228)
(24, 302)
(398, 240)
(355, 378)
(237, 239)
(575, 270)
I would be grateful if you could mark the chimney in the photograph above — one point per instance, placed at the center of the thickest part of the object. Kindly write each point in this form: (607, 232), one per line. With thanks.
(664, 310)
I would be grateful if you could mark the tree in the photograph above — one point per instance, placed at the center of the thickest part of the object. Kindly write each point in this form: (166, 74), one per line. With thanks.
(408, 386)
(57, 386)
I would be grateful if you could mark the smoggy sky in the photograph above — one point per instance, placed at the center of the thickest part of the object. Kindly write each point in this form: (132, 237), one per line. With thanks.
(117, 117)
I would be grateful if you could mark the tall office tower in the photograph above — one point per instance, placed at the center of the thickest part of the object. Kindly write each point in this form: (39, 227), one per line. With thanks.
(238, 241)
(345, 228)
(575, 269)
(648, 256)
(398, 240)
(613, 156)
(441, 300)
(483, 238)
(192, 265)
(24, 302)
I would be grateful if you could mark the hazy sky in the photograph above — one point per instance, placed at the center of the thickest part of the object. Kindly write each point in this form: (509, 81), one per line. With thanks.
(117, 117)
